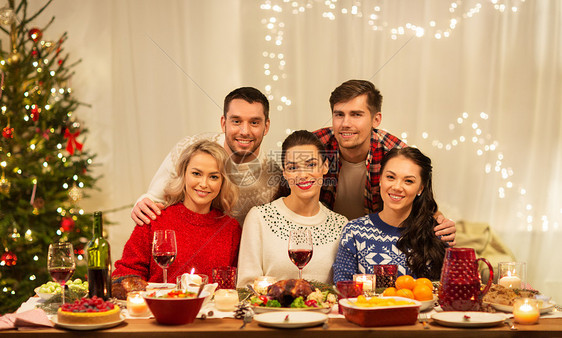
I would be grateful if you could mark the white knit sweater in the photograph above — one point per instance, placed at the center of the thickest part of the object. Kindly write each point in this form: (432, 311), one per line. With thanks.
(265, 240)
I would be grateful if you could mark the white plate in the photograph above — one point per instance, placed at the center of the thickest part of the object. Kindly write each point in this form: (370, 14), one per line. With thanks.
(151, 286)
(476, 319)
(87, 327)
(546, 307)
(295, 320)
(263, 309)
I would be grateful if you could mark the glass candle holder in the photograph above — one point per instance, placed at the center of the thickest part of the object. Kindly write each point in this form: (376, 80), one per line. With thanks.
(348, 289)
(226, 299)
(368, 281)
(386, 275)
(225, 277)
(136, 306)
(262, 283)
(512, 275)
(191, 282)
(526, 311)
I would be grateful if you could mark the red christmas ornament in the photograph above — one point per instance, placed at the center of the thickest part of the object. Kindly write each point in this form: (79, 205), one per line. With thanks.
(35, 113)
(67, 224)
(34, 53)
(8, 259)
(8, 132)
(60, 62)
(35, 34)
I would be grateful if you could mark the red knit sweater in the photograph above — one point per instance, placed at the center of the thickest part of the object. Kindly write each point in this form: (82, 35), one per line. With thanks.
(204, 241)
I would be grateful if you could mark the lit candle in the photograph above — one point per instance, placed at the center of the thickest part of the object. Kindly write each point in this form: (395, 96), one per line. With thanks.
(510, 282)
(526, 311)
(262, 283)
(368, 281)
(226, 299)
(136, 306)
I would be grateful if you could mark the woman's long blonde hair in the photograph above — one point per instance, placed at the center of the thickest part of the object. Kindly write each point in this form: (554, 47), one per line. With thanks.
(175, 188)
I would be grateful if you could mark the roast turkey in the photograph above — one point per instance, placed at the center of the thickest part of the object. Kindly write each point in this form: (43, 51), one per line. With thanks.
(286, 291)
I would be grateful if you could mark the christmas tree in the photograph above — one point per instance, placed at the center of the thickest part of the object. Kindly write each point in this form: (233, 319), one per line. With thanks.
(44, 169)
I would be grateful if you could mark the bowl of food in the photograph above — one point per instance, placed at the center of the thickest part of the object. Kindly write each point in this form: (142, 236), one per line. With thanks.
(380, 311)
(174, 307)
(50, 289)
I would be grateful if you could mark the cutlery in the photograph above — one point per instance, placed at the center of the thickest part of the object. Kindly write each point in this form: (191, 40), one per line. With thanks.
(247, 318)
(510, 323)
(424, 319)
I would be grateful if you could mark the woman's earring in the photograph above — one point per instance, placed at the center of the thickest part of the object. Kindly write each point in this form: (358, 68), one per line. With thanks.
(419, 194)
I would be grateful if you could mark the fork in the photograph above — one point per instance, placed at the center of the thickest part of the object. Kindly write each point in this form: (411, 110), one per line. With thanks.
(247, 318)
(424, 319)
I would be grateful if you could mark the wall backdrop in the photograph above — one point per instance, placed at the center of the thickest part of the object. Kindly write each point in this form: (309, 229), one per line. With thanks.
(476, 85)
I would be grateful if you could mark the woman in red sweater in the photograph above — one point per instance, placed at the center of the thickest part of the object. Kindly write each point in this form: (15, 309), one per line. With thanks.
(198, 199)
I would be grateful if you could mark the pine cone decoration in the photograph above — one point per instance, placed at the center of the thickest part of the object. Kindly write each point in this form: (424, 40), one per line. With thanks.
(242, 309)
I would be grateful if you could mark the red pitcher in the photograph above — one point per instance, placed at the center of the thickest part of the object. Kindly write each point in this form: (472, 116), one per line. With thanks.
(460, 288)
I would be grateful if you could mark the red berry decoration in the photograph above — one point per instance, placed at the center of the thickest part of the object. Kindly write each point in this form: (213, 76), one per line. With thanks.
(35, 34)
(8, 132)
(8, 259)
(35, 113)
(67, 224)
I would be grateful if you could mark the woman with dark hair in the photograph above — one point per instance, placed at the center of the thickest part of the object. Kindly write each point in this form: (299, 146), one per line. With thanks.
(265, 235)
(402, 232)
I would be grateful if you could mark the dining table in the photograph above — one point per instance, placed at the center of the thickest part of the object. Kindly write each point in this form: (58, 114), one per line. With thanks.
(336, 326)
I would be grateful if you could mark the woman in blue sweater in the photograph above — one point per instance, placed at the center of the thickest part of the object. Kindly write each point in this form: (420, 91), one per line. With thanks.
(402, 232)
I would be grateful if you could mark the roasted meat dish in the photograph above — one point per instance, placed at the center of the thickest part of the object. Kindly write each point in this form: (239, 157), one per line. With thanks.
(286, 291)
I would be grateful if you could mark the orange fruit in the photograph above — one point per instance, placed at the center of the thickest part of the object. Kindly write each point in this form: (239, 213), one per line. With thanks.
(424, 281)
(407, 293)
(389, 292)
(405, 282)
(422, 292)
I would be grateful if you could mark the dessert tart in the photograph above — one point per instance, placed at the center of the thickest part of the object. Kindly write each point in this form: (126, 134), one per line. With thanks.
(88, 311)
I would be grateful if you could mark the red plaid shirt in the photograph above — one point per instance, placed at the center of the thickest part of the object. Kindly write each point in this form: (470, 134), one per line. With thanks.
(381, 143)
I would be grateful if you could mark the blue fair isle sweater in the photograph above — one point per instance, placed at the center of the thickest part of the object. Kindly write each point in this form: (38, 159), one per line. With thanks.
(368, 241)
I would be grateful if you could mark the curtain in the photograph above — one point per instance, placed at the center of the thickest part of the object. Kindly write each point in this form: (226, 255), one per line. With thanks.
(477, 86)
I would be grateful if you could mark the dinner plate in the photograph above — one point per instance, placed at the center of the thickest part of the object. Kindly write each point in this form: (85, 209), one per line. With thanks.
(545, 307)
(468, 319)
(264, 309)
(290, 319)
(87, 327)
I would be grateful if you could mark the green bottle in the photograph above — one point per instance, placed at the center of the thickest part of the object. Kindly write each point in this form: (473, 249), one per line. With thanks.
(99, 262)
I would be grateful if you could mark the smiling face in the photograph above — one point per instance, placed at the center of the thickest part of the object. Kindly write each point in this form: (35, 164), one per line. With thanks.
(400, 183)
(352, 123)
(304, 170)
(202, 182)
(244, 127)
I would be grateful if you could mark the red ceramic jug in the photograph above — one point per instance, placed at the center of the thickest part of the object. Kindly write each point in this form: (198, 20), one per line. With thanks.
(460, 288)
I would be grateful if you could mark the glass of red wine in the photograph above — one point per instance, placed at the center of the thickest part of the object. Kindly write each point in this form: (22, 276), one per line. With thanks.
(300, 248)
(61, 263)
(164, 249)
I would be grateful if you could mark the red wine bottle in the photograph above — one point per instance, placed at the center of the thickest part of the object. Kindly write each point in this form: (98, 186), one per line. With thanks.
(99, 262)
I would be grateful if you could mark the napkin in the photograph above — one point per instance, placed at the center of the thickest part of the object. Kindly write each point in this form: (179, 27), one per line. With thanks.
(31, 319)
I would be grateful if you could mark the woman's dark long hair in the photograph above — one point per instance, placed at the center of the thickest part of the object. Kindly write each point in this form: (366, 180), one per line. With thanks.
(424, 250)
(297, 138)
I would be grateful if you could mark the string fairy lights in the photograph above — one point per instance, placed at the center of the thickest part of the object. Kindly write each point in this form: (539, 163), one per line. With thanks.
(275, 71)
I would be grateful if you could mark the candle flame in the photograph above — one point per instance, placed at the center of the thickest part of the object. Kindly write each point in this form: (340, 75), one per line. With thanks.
(192, 271)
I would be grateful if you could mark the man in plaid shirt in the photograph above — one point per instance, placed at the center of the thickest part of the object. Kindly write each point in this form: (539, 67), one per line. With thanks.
(355, 149)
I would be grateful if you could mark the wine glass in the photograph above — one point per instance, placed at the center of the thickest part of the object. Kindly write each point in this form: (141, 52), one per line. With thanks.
(300, 248)
(164, 249)
(61, 263)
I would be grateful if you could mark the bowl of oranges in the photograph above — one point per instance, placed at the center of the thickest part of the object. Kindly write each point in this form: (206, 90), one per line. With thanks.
(420, 289)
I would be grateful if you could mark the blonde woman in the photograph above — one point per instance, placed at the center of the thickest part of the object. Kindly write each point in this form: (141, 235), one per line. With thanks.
(198, 200)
